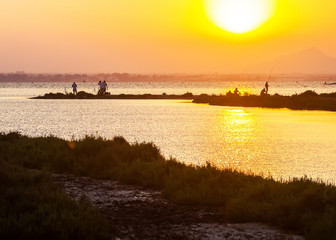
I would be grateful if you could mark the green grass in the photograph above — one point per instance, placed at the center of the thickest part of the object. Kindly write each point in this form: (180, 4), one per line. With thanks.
(301, 205)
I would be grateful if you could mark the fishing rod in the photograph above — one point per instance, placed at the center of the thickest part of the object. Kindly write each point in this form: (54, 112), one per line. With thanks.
(270, 75)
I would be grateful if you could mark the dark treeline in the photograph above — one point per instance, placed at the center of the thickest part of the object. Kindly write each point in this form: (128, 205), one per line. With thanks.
(21, 76)
(77, 77)
(69, 77)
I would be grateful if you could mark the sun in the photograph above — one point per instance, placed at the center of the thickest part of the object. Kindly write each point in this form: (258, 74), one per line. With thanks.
(239, 16)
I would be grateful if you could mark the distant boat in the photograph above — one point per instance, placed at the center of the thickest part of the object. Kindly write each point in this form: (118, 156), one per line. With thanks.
(325, 83)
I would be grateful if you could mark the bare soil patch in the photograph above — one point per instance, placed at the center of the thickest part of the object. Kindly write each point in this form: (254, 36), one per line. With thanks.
(139, 213)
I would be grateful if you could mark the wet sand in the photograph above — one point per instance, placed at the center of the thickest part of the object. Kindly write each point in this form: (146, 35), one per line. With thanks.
(139, 213)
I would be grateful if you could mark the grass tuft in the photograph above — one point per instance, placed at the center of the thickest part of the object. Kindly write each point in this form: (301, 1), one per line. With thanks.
(32, 207)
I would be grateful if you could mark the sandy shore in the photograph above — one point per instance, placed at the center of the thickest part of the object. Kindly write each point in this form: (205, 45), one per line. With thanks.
(142, 214)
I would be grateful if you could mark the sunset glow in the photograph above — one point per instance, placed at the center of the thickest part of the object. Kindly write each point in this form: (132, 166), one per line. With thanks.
(176, 36)
(239, 16)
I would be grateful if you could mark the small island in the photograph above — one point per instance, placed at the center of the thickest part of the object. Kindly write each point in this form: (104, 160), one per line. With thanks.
(85, 95)
(309, 100)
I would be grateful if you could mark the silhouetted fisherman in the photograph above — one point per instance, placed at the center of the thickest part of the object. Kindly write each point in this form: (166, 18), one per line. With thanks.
(236, 92)
(74, 88)
(266, 87)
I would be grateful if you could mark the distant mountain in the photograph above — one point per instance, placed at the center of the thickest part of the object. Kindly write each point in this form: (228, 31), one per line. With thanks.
(309, 61)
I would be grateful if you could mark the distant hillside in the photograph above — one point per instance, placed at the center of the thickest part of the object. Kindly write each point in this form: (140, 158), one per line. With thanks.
(308, 61)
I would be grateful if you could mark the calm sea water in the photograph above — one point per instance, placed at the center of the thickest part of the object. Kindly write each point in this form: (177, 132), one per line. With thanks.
(279, 142)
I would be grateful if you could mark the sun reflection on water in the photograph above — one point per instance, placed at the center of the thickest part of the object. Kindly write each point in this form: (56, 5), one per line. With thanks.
(282, 142)
(278, 143)
(236, 131)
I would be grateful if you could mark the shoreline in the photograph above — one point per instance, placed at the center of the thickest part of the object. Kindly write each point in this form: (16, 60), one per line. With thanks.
(85, 95)
(308, 100)
(300, 205)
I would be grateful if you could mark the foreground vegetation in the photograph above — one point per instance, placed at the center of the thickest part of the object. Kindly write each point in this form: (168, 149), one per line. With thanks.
(301, 205)
(32, 207)
(308, 100)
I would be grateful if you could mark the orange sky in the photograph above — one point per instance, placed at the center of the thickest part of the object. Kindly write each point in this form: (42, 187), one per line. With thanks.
(147, 36)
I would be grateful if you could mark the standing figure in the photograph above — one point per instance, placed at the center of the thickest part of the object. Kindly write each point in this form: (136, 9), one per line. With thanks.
(266, 87)
(105, 86)
(74, 88)
(100, 90)
(102, 87)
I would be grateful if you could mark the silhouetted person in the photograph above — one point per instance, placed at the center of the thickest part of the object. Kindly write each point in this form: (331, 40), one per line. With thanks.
(236, 92)
(105, 86)
(266, 87)
(74, 88)
(263, 92)
(98, 87)
(101, 88)
(229, 93)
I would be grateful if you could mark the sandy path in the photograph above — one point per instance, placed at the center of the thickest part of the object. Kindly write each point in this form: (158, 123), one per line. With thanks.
(143, 214)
